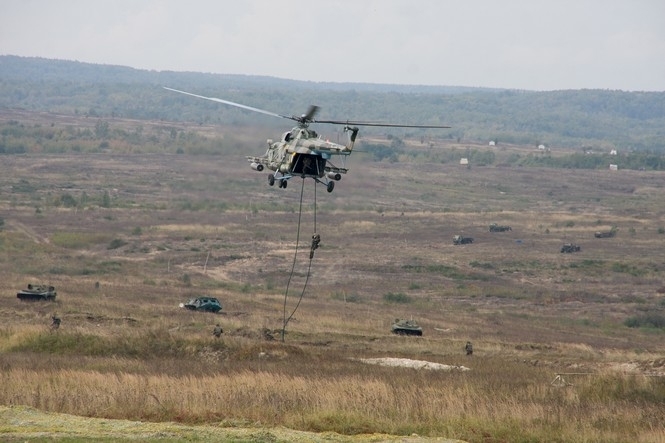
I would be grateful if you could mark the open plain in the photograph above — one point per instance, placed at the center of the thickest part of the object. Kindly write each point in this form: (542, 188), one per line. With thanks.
(567, 347)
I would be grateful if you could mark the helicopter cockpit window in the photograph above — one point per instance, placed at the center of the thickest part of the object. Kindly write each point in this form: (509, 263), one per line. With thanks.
(287, 136)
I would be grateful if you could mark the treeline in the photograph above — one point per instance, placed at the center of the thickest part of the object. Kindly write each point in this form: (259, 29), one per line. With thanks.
(19, 138)
(636, 160)
(596, 119)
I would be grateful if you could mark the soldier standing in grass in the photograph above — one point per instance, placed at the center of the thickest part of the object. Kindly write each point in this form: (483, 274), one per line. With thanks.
(468, 348)
(217, 332)
(55, 322)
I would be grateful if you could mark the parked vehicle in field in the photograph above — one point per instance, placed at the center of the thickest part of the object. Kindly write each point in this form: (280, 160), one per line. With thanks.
(406, 327)
(499, 228)
(37, 292)
(570, 247)
(606, 234)
(461, 240)
(206, 304)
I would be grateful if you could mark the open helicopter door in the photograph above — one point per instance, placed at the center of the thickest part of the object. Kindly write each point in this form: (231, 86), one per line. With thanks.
(308, 165)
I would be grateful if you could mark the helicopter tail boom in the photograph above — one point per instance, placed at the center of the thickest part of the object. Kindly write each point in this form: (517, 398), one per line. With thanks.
(353, 133)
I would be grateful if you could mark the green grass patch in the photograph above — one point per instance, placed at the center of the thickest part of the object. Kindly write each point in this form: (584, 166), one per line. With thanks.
(77, 240)
(347, 298)
(151, 344)
(627, 268)
(444, 270)
(650, 321)
(398, 297)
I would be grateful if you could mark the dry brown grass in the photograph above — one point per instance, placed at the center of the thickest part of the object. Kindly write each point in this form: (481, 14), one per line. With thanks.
(125, 349)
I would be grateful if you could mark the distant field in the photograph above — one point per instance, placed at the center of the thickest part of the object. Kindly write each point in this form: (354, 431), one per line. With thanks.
(126, 237)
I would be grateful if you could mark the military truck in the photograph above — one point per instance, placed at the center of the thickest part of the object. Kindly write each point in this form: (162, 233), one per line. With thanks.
(570, 247)
(461, 240)
(499, 228)
(406, 327)
(37, 293)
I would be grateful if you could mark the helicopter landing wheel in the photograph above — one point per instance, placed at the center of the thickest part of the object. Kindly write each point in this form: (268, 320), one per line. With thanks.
(282, 184)
(330, 187)
(271, 179)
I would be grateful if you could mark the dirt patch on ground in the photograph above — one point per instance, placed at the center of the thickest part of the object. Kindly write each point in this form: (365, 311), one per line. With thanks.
(415, 364)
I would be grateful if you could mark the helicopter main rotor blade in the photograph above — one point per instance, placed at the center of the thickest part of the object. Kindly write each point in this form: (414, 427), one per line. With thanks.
(384, 125)
(230, 103)
(307, 118)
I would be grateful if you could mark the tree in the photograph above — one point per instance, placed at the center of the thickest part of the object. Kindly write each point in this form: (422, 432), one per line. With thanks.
(102, 129)
(106, 200)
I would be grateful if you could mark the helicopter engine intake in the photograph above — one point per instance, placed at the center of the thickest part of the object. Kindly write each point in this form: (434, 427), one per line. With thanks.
(256, 166)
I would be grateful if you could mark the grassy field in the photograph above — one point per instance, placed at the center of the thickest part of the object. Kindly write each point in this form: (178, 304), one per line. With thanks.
(567, 347)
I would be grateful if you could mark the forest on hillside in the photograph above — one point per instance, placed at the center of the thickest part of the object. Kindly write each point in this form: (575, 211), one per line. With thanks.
(585, 119)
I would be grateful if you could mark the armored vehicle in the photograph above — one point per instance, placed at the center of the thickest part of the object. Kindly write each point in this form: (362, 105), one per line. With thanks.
(207, 304)
(406, 327)
(37, 292)
(569, 247)
(461, 240)
(605, 234)
(499, 228)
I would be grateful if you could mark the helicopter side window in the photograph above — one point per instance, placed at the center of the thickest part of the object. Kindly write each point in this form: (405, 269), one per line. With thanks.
(287, 136)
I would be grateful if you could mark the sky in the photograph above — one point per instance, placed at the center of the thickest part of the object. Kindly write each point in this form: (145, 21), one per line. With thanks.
(537, 45)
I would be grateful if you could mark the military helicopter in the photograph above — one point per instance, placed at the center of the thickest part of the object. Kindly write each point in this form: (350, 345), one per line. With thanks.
(301, 152)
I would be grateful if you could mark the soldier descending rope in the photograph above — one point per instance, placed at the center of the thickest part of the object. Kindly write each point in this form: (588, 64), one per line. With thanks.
(316, 239)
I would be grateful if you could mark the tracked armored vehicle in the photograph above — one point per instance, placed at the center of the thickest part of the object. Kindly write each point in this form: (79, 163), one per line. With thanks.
(570, 247)
(461, 240)
(37, 293)
(406, 327)
(499, 228)
(605, 234)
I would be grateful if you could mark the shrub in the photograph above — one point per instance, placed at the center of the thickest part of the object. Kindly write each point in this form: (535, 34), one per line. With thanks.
(397, 298)
(652, 320)
(116, 243)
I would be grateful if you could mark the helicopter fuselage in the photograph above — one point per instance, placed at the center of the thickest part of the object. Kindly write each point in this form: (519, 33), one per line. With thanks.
(302, 153)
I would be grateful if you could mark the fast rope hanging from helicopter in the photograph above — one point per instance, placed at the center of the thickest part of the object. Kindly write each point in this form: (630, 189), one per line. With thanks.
(316, 239)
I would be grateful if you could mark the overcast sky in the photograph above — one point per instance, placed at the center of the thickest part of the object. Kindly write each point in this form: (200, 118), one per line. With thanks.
(522, 44)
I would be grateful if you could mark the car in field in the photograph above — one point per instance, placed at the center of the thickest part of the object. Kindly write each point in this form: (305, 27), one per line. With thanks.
(206, 304)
